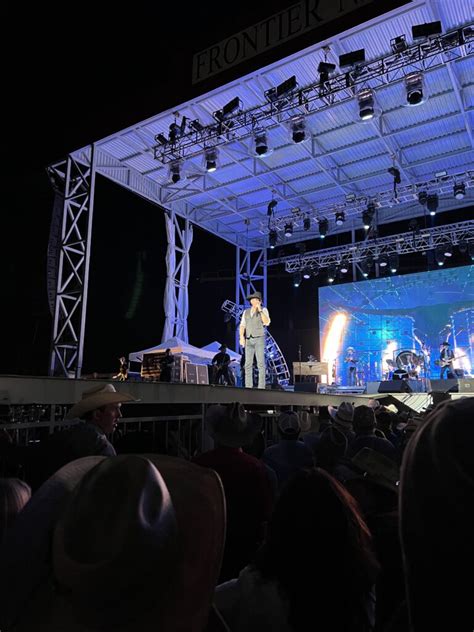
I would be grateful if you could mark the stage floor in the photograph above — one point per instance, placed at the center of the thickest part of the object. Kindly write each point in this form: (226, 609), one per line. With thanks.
(22, 390)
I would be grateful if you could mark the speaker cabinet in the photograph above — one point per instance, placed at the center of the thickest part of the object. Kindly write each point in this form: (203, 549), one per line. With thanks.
(394, 386)
(444, 386)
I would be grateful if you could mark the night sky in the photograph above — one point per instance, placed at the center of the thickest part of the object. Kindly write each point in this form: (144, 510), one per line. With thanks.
(81, 78)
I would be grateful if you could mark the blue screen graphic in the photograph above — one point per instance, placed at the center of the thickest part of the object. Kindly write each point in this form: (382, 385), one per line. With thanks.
(398, 324)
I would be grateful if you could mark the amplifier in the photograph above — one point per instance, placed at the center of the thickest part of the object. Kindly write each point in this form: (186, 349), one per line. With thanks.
(197, 374)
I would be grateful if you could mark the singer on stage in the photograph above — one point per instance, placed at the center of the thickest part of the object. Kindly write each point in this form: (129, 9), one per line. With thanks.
(252, 338)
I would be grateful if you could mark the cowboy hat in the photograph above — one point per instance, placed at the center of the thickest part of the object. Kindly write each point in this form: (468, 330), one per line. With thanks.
(231, 426)
(255, 295)
(342, 414)
(378, 468)
(222, 347)
(97, 397)
(136, 540)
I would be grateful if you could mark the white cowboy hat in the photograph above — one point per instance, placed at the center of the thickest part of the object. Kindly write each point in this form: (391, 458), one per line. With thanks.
(342, 414)
(97, 397)
(231, 425)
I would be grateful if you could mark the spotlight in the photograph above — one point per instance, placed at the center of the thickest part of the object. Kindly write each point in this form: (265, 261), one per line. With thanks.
(175, 171)
(432, 202)
(448, 250)
(324, 70)
(332, 271)
(428, 29)
(286, 88)
(210, 156)
(196, 125)
(323, 225)
(439, 255)
(340, 218)
(288, 229)
(462, 246)
(272, 238)
(160, 138)
(459, 190)
(398, 44)
(414, 88)
(393, 262)
(307, 223)
(230, 108)
(297, 279)
(351, 59)
(344, 267)
(365, 99)
(298, 131)
(383, 261)
(368, 215)
(271, 207)
(261, 144)
(306, 274)
(422, 197)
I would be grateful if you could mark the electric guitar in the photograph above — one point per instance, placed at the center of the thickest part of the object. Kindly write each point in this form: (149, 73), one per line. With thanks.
(447, 362)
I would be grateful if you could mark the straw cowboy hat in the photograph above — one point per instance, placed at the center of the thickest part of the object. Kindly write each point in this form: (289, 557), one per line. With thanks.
(97, 397)
(132, 542)
(231, 426)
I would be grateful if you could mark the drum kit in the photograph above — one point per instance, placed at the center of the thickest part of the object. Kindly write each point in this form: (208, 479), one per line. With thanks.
(408, 364)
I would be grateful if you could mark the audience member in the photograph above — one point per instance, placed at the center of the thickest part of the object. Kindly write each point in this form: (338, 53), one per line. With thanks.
(364, 428)
(14, 494)
(342, 417)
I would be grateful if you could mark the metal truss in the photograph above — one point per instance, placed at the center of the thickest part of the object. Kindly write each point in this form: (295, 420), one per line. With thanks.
(191, 139)
(176, 301)
(73, 264)
(442, 184)
(274, 358)
(250, 276)
(401, 244)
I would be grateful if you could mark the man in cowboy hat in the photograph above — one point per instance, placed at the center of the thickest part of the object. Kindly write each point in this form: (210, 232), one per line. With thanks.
(446, 357)
(342, 417)
(252, 338)
(221, 362)
(127, 543)
(99, 410)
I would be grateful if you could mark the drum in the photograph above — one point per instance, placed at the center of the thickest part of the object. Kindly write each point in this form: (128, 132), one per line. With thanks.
(408, 361)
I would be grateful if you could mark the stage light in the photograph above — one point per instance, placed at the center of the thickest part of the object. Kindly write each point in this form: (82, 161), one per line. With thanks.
(288, 229)
(352, 58)
(364, 267)
(448, 250)
(470, 249)
(428, 29)
(332, 341)
(365, 99)
(306, 274)
(393, 262)
(439, 255)
(307, 223)
(285, 88)
(459, 190)
(298, 131)
(398, 44)
(196, 125)
(332, 272)
(422, 197)
(368, 215)
(297, 279)
(261, 144)
(230, 108)
(340, 218)
(324, 70)
(273, 238)
(383, 261)
(175, 171)
(414, 88)
(323, 225)
(462, 247)
(432, 202)
(160, 138)
(211, 155)
(271, 207)
(344, 267)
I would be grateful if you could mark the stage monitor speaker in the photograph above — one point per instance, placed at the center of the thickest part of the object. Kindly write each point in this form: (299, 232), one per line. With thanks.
(444, 386)
(466, 385)
(372, 388)
(394, 386)
(306, 387)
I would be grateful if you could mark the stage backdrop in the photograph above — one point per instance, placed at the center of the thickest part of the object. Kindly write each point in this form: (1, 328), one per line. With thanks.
(397, 323)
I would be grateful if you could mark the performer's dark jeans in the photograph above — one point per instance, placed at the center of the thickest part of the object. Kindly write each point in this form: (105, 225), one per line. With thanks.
(446, 369)
(222, 373)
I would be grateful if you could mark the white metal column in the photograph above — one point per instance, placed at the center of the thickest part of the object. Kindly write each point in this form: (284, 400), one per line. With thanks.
(176, 301)
(73, 269)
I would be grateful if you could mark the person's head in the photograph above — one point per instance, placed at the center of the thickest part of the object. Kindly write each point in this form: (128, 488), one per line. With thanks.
(385, 420)
(14, 494)
(289, 426)
(343, 415)
(122, 359)
(445, 345)
(331, 448)
(255, 299)
(100, 405)
(223, 348)
(231, 426)
(364, 420)
(168, 351)
(437, 518)
(315, 509)
(129, 541)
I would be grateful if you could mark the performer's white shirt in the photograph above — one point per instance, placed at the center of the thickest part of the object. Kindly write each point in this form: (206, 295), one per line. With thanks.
(252, 311)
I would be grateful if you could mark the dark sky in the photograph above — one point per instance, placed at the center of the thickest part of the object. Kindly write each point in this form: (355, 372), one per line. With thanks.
(72, 79)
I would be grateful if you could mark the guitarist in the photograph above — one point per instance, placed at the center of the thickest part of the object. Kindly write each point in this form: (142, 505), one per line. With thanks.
(221, 363)
(446, 358)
